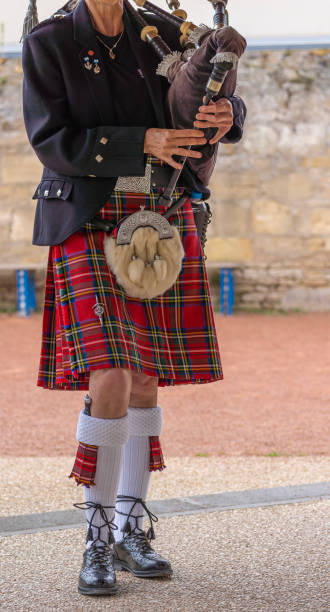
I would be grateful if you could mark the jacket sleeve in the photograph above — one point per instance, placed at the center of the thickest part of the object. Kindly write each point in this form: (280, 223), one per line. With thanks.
(104, 151)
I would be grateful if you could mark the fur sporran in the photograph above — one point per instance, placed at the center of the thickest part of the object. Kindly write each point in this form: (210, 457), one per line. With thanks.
(145, 254)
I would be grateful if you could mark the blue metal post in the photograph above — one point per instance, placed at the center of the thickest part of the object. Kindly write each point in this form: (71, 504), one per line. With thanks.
(227, 291)
(26, 297)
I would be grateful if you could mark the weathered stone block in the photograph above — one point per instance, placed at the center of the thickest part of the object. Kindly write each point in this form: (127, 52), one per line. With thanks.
(263, 140)
(280, 249)
(294, 274)
(320, 221)
(270, 217)
(316, 244)
(293, 187)
(255, 297)
(229, 220)
(22, 226)
(297, 138)
(232, 187)
(229, 249)
(317, 162)
(21, 169)
(308, 300)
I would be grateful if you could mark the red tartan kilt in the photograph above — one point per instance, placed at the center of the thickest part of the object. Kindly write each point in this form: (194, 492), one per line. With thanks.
(171, 337)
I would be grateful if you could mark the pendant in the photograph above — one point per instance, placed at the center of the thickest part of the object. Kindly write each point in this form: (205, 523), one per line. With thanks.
(112, 54)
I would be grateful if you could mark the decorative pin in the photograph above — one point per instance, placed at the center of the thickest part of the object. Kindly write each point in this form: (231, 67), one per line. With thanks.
(87, 63)
(98, 310)
(97, 68)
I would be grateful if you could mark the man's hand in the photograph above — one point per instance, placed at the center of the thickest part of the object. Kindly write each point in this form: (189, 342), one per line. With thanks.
(216, 115)
(164, 143)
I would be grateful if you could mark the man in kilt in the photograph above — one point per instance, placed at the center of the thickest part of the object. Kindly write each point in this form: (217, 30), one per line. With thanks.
(94, 112)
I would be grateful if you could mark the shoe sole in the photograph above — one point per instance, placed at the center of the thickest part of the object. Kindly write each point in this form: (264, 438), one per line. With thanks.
(122, 565)
(97, 590)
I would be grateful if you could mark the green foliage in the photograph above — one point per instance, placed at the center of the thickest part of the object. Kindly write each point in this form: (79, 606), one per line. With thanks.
(3, 82)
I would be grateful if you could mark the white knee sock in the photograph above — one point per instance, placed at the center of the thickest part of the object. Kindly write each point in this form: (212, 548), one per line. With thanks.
(135, 474)
(109, 435)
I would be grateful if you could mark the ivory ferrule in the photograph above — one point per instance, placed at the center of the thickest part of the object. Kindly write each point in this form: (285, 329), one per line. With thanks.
(187, 27)
(214, 86)
(180, 13)
(148, 33)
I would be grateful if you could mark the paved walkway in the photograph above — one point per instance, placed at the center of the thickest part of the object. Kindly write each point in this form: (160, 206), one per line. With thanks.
(270, 554)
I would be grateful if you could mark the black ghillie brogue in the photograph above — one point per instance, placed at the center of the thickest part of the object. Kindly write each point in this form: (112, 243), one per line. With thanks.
(97, 575)
(134, 552)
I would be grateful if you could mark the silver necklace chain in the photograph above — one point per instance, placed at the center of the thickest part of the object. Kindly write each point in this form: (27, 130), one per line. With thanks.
(112, 55)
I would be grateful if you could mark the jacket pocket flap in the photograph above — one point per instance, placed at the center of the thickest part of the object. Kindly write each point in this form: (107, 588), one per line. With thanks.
(53, 190)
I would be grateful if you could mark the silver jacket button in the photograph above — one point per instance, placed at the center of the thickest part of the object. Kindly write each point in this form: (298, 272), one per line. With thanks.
(46, 193)
(59, 192)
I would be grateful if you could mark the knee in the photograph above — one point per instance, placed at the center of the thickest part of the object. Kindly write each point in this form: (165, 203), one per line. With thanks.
(144, 391)
(110, 391)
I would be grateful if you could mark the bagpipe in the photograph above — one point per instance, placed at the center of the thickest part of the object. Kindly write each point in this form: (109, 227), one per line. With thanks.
(145, 252)
(205, 69)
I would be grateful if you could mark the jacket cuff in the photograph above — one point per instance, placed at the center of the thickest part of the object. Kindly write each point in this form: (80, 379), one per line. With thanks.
(118, 152)
(236, 131)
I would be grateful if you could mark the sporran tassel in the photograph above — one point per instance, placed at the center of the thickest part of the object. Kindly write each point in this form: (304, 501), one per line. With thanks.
(31, 19)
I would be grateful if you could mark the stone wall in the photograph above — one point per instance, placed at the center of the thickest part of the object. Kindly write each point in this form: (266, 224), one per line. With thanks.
(270, 193)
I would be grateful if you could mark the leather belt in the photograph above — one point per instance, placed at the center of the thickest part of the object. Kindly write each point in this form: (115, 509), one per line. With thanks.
(155, 177)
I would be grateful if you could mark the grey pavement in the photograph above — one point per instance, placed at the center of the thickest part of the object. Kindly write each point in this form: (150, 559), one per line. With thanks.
(250, 547)
(194, 504)
(257, 559)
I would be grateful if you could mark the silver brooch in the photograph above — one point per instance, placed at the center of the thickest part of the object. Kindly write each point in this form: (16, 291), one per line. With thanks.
(98, 310)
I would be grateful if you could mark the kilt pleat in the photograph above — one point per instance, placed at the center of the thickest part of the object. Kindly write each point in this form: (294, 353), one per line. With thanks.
(171, 337)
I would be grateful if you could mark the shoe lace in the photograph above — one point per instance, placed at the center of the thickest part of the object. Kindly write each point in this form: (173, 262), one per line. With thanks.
(106, 522)
(141, 542)
(100, 555)
(136, 531)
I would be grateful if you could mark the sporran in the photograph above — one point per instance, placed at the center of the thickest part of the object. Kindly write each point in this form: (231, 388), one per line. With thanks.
(145, 253)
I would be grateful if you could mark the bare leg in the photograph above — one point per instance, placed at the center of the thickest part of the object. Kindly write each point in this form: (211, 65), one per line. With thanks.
(110, 391)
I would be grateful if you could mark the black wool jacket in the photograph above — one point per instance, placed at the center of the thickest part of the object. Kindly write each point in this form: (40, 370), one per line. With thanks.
(69, 120)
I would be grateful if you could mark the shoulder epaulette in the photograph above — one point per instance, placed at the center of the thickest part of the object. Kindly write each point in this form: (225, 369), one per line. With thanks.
(56, 18)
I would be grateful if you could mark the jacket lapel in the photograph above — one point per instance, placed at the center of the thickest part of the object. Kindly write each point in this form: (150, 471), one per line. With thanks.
(98, 83)
(148, 62)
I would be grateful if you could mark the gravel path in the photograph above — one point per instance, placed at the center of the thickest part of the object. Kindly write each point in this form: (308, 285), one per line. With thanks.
(40, 484)
(274, 400)
(263, 559)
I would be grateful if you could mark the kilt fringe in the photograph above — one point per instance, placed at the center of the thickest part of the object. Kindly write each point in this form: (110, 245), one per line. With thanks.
(84, 467)
(156, 455)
